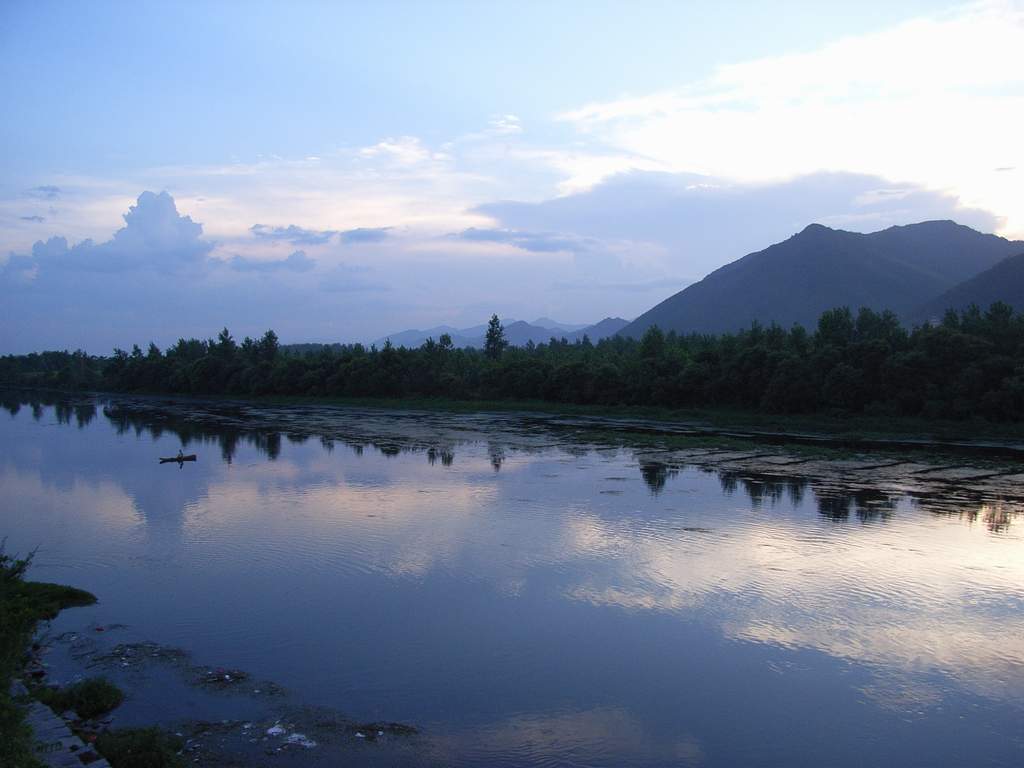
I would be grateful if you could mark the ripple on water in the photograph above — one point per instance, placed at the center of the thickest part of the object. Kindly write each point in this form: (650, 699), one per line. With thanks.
(538, 603)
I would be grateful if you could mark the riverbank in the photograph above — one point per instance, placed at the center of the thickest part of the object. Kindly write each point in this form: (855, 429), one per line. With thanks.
(43, 726)
(23, 604)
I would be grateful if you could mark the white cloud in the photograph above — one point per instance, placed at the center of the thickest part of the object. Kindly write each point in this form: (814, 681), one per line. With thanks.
(404, 150)
(154, 236)
(506, 124)
(911, 123)
(687, 223)
(934, 101)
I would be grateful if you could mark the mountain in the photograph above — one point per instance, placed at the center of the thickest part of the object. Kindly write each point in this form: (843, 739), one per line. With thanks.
(610, 326)
(517, 332)
(461, 337)
(899, 268)
(520, 333)
(414, 337)
(547, 322)
(1003, 282)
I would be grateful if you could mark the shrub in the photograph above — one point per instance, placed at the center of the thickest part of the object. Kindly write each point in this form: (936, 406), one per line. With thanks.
(22, 604)
(88, 698)
(140, 748)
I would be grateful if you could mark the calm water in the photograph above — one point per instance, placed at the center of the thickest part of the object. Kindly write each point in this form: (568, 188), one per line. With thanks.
(527, 595)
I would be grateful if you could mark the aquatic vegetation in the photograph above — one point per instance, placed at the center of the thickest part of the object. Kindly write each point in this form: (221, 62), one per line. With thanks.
(140, 748)
(87, 698)
(47, 600)
(22, 605)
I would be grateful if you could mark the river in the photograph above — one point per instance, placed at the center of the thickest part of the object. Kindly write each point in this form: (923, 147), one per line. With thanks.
(527, 590)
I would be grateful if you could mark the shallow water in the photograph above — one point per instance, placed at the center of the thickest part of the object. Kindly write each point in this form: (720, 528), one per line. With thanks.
(527, 594)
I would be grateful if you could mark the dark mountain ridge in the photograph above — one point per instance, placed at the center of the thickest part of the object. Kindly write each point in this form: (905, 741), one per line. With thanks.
(899, 268)
(518, 333)
(1004, 282)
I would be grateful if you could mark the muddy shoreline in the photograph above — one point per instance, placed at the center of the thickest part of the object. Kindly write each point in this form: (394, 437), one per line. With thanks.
(230, 718)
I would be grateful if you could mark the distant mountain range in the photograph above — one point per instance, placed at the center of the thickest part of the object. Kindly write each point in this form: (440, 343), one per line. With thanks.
(918, 271)
(517, 332)
(911, 270)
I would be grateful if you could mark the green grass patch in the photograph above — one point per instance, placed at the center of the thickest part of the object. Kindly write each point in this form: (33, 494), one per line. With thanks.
(22, 605)
(140, 748)
(88, 698)
(46, 600)
(15, 736)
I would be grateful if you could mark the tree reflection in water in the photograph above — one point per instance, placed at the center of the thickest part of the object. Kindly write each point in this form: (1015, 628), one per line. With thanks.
(227, 426)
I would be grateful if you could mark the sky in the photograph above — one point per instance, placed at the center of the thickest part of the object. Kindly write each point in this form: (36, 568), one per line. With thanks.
(340, 171)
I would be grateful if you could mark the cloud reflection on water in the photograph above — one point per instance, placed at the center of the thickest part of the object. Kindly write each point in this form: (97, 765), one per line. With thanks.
(904, 586)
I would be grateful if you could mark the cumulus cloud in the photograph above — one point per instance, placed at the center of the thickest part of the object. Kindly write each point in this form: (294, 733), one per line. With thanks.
(295, 262)
(157, 278)
(615, 249)
(293, 234)
(154, 237)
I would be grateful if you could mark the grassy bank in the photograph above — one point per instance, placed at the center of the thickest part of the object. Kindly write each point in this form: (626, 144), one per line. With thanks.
(23, 604)
(87, 698)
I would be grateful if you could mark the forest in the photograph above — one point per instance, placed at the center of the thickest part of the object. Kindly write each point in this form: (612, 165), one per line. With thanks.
(969, 365)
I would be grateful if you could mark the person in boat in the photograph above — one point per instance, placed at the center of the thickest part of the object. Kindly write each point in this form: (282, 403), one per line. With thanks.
(181, 456)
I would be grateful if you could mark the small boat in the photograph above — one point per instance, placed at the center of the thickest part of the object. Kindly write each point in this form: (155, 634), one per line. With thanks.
(178, 459)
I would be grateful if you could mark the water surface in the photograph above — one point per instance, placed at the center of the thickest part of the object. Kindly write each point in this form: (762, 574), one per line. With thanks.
(533, 591)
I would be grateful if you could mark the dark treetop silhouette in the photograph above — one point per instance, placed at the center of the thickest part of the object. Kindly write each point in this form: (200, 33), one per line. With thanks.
(969, 365)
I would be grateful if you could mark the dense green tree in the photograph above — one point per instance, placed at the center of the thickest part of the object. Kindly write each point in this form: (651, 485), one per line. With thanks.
(971, 365)
(495, 342)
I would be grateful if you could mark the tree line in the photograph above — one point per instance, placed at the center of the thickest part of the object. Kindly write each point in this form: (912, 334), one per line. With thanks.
(969, 365)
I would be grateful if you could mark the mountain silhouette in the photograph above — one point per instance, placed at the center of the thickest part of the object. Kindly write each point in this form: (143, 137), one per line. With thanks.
(1004, 282)
(518, 333)
(899, 268)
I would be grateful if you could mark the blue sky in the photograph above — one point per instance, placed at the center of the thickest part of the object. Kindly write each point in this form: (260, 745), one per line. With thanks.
(343, 159)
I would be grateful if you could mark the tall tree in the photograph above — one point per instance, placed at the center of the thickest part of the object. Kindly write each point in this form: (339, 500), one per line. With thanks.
(495, 342)
(267, 347)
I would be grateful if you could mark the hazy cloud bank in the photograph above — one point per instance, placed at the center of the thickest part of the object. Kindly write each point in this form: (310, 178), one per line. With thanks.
(297, 261)
(704, 222)
(292, 234)
(615, 249)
